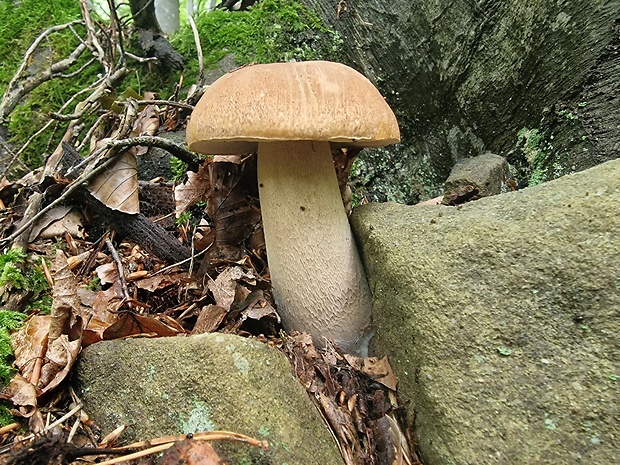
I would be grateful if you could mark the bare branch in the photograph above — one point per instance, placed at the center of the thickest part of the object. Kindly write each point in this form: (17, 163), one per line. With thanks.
(170, 103)
(78, 71)
(93, 41)
(50, 122)
(146, 141)
(19, 87)
(92, 130)
(14, 158)
(140, 59)
(201, 75)
(70, 189)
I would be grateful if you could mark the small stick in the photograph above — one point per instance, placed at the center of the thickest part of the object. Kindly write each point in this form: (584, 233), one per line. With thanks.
(202, 436)
(35, 376)
(147, 141)
(31, 436)
(201, 77)
(9, 428)
(121, 272)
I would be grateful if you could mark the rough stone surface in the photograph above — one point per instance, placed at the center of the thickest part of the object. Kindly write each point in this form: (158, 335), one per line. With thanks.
(485, 172)
(464, 77)
(501, 319)
(202, 383)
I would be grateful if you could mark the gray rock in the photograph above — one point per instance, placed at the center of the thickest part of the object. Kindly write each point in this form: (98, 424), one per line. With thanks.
(486, 173)
(501, 320)
(201, 383)
(461, 81)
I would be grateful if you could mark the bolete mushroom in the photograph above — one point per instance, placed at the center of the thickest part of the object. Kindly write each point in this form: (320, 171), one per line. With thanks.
(292, 114)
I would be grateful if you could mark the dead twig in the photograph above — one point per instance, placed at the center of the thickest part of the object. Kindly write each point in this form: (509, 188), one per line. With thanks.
(92, 41)
(44, 431)
(19, 86)
(121, 272)
(147, 141)
(170, 103)
(201, 76)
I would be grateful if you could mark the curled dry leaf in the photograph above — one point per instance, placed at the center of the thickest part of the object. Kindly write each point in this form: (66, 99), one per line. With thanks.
(131, 324)
(225, 285)
(193, 190)
(65, 302)
(23, 395)
(57, 222)
(105, 302)
(160, 281)
(379, 369)
(107, 273)
(209, 319)
(29, 343)
(258, 308)
(146, 124)
(117, 187)
(61, 355)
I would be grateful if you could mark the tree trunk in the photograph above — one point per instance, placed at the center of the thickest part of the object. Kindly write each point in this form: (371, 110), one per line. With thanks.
(464, 77)
(168, 15)
(143, 13)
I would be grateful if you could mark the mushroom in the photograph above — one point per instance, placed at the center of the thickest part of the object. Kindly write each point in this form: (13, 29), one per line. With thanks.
(293, 114)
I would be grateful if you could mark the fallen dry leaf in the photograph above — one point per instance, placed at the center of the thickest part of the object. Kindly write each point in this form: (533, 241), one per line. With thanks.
(379, 369)
(107, 273)
(60, 357)
(28, 342)
(160, 281)
(57, 222)
(190, 452)
(23, 395)
(117, 187)
(106, 301)
(193, 190)
(131, 324)
(225, 285)
(65, 302)
(146, 124)
(259, 308)
(209, 319)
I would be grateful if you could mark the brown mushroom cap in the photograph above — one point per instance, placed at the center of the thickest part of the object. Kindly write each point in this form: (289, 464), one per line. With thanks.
(313, 100)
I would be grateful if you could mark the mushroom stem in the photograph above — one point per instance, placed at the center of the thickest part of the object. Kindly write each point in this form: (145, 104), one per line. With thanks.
(318, 280)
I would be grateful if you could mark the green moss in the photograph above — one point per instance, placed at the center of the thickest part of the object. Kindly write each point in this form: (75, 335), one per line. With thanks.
(22, 23)
(9, 321)
(10, 274)
(534, 147)
(17, 272)
(179, 168)
(94, 284)
(270, 31)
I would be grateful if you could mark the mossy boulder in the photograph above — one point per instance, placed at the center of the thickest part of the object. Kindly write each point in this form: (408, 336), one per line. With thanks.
(205, 383)
(501, 320)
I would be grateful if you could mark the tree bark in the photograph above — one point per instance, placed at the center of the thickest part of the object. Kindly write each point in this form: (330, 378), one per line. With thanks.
(465, 77)
(143, 13)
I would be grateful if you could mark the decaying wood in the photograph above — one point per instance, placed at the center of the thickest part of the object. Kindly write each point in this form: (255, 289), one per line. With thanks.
(139, 228)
